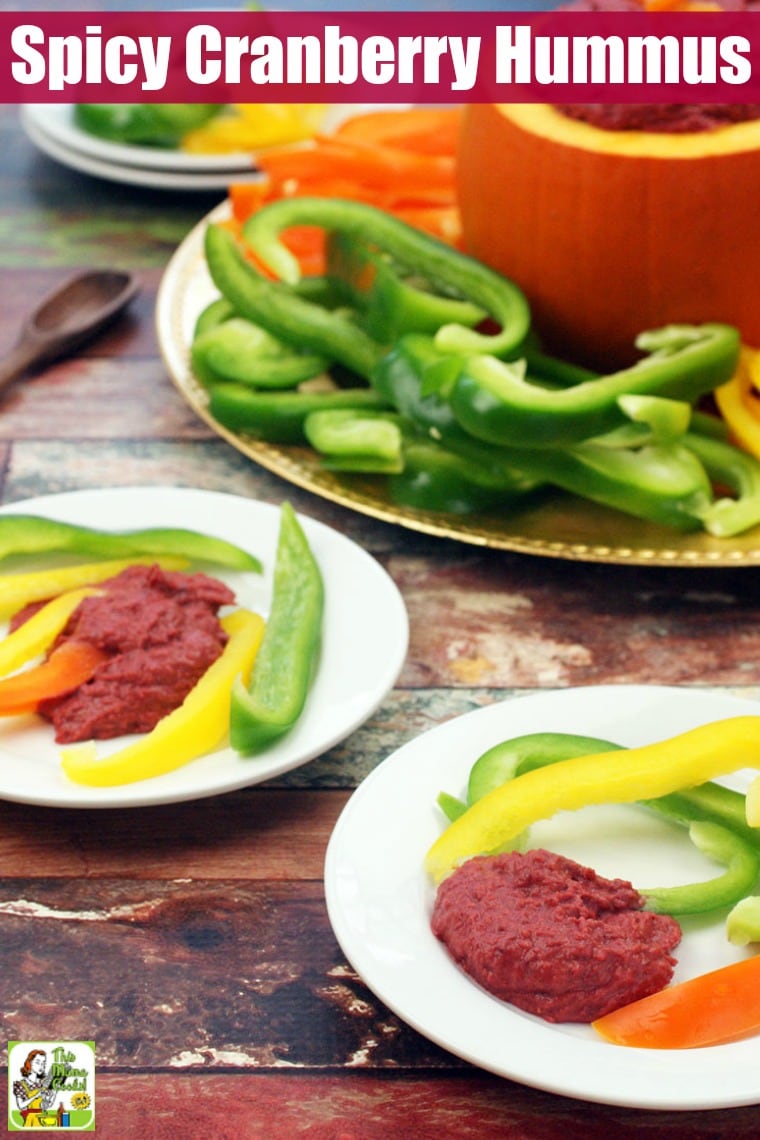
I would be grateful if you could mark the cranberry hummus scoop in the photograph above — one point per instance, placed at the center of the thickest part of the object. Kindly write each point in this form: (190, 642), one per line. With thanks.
(552, 937)
(161, 632)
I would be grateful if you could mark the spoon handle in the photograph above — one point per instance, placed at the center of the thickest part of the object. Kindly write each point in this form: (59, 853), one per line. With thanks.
(16, 362)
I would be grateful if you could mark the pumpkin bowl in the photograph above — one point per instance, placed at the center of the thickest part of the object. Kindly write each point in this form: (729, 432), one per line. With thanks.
(610, 232)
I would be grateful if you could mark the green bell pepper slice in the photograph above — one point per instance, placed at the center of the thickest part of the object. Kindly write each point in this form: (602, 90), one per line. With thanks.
(280, 417)
(287, 660)
(23, 534)
(350, 440)
(737, 470)
(495, 402)
(283, 311)
(146, 124)
(438, 478)
(432, 479)
(239, 350)
(390, 305)
(412, 377)
(447, 270)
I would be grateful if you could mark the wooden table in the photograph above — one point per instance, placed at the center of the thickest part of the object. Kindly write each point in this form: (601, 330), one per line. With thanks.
(220, 1003)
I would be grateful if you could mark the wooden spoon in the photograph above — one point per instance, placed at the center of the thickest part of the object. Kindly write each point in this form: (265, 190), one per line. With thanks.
(76, 311)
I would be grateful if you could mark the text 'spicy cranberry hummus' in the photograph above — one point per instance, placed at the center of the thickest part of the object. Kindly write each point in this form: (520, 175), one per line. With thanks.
(552, 937)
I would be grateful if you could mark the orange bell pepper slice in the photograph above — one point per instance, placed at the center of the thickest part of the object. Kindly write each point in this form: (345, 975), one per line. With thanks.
(67, 667)
(424, 130)
(711, 1009)
(400, 161)
(361, 161)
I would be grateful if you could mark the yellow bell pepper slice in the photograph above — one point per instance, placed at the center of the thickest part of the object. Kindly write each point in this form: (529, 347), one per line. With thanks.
(738, 402)
(251, 126)
(40, 631)
(653, 770)
(18, 590)
(198, 726)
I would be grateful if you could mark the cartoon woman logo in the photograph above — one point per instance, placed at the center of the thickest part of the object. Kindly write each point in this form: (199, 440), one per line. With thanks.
(33, 1093)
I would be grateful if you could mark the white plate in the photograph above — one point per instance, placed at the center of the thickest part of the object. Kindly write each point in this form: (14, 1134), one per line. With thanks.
(155, 179)
(365, 636)
(379, 901)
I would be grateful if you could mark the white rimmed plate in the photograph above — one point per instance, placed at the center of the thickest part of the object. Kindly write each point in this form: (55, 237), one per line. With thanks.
(379, 901)
(365, 635)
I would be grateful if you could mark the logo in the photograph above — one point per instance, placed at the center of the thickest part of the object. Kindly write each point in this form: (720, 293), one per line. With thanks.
(51, 1084)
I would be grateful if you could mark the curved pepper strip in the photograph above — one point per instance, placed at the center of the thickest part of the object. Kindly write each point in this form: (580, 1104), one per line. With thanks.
(495, 402)
(198, 726)
(39, 631)
(412, 376)
(34, 534)
(647, 772)
(280, 417)
(713, 837)
(237, 349)
(18, 590)
(267, 708)
(729, 467)
(446, 269)
(462, 481)
(350, 440)
(389, 305)
(722, 1005)
(282, 311)
(666, 484)
(67, 667)
(738, 401)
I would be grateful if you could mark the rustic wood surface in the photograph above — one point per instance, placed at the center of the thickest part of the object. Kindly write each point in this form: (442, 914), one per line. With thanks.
(191, 942)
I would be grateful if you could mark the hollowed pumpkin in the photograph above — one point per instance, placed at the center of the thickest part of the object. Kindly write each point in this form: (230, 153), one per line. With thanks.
(612, 232)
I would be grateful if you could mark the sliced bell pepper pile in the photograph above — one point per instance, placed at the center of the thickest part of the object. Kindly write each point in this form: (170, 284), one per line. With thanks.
(482, 417)
(644, 773)
(197, 727)
(67, 667)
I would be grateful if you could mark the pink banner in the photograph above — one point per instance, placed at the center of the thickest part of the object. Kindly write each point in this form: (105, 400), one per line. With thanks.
(421, 57)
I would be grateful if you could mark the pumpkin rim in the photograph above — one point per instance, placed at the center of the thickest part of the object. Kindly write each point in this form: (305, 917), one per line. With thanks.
(547, 122)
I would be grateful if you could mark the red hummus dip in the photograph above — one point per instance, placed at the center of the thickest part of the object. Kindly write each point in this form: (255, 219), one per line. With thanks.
(662, 118)
(161, 633)
(668, 118)
(552, 937)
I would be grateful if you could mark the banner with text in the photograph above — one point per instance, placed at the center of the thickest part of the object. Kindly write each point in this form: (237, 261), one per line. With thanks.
(421, 57)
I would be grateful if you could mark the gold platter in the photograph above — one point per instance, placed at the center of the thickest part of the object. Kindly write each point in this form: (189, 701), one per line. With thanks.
(559, 526)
